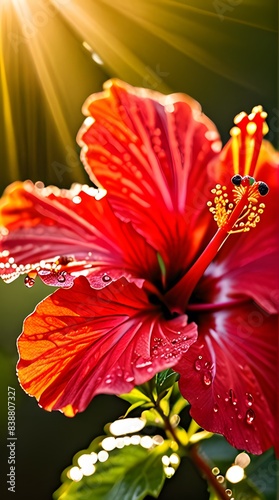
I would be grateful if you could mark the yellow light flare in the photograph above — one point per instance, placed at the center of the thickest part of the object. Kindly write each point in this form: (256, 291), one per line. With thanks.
(5, 19)
(36, 18)
(44, 79)
(87, 19)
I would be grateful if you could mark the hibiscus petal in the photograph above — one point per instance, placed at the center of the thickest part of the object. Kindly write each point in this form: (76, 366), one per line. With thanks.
(230, 376)
(82, 342)
(45, 224)
(151, 153)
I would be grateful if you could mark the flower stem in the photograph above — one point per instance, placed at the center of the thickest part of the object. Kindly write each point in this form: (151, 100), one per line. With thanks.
(206, 471)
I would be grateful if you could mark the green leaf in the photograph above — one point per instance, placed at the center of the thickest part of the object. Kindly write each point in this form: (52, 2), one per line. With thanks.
(247, 489)
(138, 404)
(152, 417)
(212, 494)
(130, 473)
(177, 402)
(263, 472)
(165, 380)
(260, 482)
(135, 396)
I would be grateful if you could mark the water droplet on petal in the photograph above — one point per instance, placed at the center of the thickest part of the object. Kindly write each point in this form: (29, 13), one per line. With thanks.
(249, 399)
(215, 471)
(108, 380)
(207, 378)
(61, 277)
(220, 479)
(106, 278)
(215, 408)
(197, 365)
(229, 492)
(144, 364)
(250, 416)
(29, 282)
(129, 378)
(233, 397)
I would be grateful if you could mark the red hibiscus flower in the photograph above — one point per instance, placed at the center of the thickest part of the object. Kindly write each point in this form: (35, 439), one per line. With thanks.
(151, 268)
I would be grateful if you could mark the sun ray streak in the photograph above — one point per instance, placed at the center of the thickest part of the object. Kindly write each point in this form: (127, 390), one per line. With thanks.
(39, 51)
(120, 60)
(6, 100)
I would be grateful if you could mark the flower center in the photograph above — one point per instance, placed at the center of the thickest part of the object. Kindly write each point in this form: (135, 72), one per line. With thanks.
(236, 212)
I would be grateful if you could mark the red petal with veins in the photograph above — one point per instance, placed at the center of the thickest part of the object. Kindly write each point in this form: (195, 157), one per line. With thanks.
(151, 153)
(43, 224)
(229, 376)
(82, 342)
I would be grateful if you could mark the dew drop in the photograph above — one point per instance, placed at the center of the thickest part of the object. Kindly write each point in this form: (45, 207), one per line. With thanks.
(239, 416)
(106, 278)
(250, 416)
(215, 471)
(207, 378)
(215, 408)
(220, 479)
(63, 260)
(108, 380)
(249, 399)
(233, 397)
(29, 282)
(129, 378)
(62, 277)
(197, 365)
(144, 364)
(229, 492)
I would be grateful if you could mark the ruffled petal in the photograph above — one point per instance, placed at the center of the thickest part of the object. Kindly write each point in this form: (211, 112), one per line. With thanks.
(71, 231)
(229, 376)
(82, 342)
(151, 153)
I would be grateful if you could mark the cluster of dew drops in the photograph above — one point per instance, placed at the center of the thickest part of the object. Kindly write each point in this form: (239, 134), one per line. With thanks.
(206, 369)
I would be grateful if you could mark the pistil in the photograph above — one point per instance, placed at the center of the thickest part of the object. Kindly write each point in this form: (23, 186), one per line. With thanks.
(237, 215)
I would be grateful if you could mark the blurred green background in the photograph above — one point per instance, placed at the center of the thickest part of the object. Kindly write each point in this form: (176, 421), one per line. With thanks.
(53, 54)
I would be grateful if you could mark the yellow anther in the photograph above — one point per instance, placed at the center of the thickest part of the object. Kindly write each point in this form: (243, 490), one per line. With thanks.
(251, 128)
(235, 131)
(222, 208)
(257, 109)
(263, 115)
(265, 128)
(238, 118)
